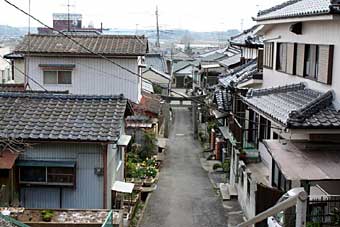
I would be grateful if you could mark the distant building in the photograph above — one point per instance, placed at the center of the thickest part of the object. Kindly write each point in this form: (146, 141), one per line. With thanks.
(68, 22)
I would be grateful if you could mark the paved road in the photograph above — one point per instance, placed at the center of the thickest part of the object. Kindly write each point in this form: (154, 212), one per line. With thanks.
(185, 196)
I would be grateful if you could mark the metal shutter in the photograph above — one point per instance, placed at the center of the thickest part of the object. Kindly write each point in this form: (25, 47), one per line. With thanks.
(300, 59)
(325, 64)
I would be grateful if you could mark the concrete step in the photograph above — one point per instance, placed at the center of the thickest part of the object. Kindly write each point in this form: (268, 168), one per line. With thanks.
(227, 191)
(232, 191)
(224, 189)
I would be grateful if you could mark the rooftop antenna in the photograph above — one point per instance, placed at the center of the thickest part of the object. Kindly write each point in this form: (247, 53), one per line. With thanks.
(29, 42)
(158, 45)
(68, 5)
(242, 22)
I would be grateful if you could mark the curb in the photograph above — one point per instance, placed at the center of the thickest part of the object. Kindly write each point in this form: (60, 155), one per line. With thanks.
(143, 211)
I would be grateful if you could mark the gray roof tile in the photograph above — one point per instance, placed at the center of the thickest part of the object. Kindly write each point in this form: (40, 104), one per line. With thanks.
(57, 44)
(61, 117)
(298, 8)
(296, 106)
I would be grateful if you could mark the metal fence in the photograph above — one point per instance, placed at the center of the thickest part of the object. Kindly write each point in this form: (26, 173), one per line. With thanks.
(108, 221)
(324, 211)
(12, 221)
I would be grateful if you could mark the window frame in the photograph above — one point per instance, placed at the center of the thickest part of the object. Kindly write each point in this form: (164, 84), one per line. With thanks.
(47, 182)
(308, 48)
(268, 55)
(57, 75)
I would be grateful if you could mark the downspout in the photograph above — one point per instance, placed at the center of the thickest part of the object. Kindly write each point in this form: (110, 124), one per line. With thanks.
(105, 176)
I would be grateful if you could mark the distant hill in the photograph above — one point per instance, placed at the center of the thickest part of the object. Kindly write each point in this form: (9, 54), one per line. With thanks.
(168, 35)
(179, 34)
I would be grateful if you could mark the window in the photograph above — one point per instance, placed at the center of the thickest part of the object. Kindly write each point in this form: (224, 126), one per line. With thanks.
(315, 62)
(312, 61)
(278, 179)
(55, 176)
(281, 63)
(268, 55)
(285, 57)
(57, 77)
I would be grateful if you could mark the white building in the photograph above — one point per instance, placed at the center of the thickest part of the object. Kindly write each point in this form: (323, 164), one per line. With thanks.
(286, 134)
(59, 64)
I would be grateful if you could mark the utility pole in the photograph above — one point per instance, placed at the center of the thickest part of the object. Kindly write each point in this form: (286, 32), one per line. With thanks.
(194, 119)
(158, 45)
(68, 15)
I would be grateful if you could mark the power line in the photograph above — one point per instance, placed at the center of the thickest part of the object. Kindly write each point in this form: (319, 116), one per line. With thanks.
(84, 47)
(100, 55)
(23, 73)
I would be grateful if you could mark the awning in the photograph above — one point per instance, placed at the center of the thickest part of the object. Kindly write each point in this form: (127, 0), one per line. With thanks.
(162, 142)
(124, 140)
(33, 163)
(7, 159)
(120, 186)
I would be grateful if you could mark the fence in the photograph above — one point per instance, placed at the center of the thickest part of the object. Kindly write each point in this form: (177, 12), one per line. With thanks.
(109, 220)
(324, 211)
(12, 221)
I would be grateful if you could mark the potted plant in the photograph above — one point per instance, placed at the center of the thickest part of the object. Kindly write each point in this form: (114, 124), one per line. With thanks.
(47, 215)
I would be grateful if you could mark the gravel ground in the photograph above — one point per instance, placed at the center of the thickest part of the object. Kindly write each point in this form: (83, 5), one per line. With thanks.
(184, 197)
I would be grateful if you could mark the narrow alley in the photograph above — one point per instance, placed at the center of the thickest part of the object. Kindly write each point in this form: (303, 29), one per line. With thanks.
(185, 196)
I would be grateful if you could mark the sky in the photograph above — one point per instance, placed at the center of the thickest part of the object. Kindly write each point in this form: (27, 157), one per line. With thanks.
(211, 15)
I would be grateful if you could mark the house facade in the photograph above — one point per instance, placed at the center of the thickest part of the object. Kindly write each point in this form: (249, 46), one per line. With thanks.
(63, 151)
(274, 131)
(59, 64)
(158, 71)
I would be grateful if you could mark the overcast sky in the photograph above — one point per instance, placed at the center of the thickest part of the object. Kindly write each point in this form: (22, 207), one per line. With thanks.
(211, 15)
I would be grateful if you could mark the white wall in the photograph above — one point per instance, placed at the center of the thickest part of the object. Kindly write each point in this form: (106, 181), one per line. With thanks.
(314, 32)
(19, 77)
(92, 76)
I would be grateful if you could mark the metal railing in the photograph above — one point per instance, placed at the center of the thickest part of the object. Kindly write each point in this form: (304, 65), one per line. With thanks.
(299, 201)
(324, 210)
(109, 220)
(12, 221)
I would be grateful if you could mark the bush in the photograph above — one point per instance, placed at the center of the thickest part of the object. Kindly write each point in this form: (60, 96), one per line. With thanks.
(217, 166)
(47, 215)
(226, 166)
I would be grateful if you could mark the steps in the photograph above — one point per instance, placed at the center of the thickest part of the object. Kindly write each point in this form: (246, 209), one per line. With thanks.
(227, 191)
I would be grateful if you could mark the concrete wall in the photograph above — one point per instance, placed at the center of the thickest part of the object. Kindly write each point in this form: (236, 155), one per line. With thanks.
(247, 201)
(313, 32)
(91, 76)
(88, 193)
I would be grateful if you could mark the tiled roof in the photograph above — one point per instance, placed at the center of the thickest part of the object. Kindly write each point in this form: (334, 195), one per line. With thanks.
(183, 64)
(214, 57)
(149, 103)
(156, 61)
(111, 45)
(247, 38)
(233, 60)
(296, 106)
(12, 87)
(39, 116)
(239, 74)
(223, 99)
(298, 8)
